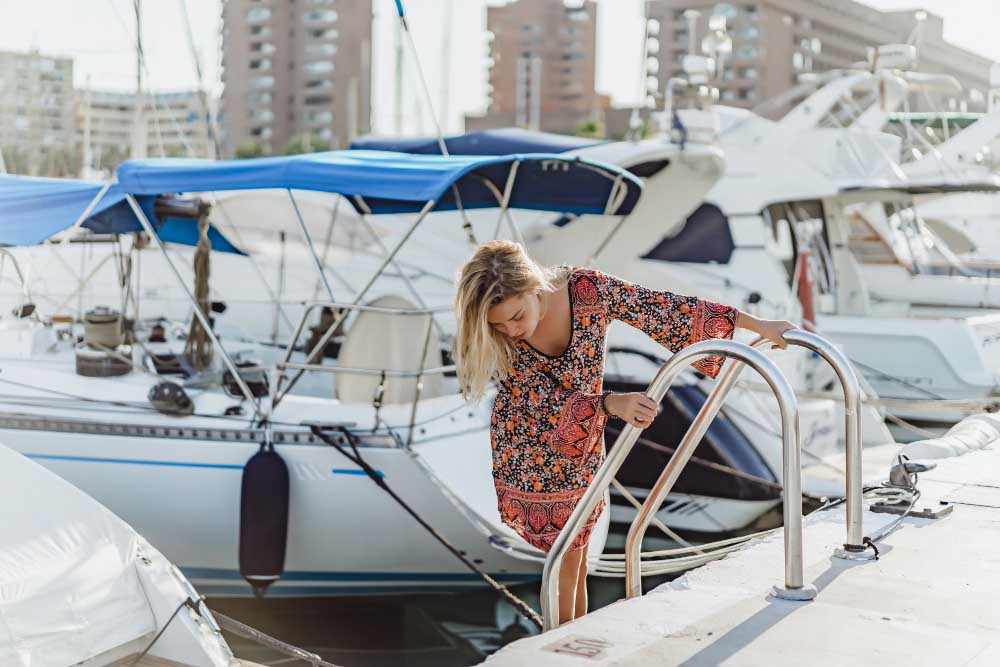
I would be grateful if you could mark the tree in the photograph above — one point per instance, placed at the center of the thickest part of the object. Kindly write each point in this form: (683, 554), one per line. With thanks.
(249, 150)
(589, 128)
(298, 144)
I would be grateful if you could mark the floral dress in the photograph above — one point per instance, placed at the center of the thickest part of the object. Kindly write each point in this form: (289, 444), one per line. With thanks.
(547, 425)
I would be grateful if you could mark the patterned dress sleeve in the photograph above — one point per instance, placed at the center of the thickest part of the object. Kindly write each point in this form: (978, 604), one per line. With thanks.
(672, 320)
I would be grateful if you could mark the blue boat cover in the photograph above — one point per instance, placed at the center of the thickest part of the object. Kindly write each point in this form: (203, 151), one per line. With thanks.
(35, 209)
(398, 182)
(502, 141)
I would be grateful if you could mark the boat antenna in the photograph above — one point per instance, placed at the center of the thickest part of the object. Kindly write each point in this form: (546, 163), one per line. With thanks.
(420, 74)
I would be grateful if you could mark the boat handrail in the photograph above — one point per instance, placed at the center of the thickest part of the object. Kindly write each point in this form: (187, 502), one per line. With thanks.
(355, 370)
(341, 310)
(669, 371)
(853, 547)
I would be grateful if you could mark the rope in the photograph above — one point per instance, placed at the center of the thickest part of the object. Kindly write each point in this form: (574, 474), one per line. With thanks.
(198, 348)
(355, 457)
(189, 603)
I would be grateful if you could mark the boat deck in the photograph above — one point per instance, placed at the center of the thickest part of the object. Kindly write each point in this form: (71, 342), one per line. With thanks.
(931, 599)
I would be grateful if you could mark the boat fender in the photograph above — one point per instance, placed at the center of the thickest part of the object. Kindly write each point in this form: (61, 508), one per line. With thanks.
(263, 519)
(170, 399)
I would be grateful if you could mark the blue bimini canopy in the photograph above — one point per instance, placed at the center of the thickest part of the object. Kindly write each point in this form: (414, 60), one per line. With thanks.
(384, 182)
(35, 209)
(503, 141)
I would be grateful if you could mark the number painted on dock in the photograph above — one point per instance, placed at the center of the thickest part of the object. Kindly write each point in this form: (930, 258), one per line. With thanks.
(581, 647)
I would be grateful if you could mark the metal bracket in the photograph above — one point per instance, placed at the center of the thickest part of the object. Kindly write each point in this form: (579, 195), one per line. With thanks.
(926, 513)
(804, 594)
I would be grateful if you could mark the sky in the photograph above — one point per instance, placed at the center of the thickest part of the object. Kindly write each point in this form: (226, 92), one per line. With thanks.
(449, 37)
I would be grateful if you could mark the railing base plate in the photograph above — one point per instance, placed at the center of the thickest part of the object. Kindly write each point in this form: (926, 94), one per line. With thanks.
(804, 594)
(849, 554)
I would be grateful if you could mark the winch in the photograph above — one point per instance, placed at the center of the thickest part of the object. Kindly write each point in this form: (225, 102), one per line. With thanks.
(103, 352)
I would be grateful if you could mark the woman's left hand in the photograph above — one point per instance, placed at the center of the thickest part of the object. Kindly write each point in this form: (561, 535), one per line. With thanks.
(772, 330)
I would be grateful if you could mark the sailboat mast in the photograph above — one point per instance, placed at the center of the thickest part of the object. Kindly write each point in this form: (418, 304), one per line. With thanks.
(139, 123)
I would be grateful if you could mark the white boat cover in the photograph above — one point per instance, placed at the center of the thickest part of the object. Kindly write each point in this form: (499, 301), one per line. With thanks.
(69, 589)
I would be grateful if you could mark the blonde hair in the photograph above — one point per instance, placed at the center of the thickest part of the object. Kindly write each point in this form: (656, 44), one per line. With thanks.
(497, 271)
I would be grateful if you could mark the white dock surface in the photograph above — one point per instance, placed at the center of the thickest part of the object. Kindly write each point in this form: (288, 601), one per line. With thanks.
(933, 598)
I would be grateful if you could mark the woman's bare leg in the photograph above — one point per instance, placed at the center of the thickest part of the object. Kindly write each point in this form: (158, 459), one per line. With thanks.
(568, 585)
(581, 585)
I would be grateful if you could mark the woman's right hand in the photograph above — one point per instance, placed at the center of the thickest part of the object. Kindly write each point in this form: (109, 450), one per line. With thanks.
(633, 408)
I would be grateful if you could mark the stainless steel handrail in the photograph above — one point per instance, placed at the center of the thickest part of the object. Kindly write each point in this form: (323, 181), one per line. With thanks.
(788, 408)
(853, 548)
(357, 370)
(420, 374)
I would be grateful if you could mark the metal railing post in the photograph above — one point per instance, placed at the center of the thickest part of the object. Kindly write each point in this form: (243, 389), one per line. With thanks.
(853, 548)
(788, 407)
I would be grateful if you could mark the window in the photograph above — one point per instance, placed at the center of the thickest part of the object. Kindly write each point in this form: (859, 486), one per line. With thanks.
(319, 66)
(320, 50)
(261, 63)
(261, 30)
(705, 239)
(255, 14)
(265, 48)
(725, 9)
(748, 32)
(318, 100)
(261, 115)
(320, 16)
(262, 82)
(325, 33)
(747, 51)
(259, 98)
(320, 117)
(319, 83)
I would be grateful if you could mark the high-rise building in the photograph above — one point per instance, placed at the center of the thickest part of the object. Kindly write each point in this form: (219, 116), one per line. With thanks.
(175, 126)
(36, 114)
(776, 41)
(543, 66)
(296, 74)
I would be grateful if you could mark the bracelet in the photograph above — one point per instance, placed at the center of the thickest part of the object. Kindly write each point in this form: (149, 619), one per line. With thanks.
(604, 405)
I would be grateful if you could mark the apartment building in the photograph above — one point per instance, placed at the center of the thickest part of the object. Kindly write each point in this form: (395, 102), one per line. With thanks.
(543, 66)
(174, 126)
(774, 42)
(295, 72)
(36, 114)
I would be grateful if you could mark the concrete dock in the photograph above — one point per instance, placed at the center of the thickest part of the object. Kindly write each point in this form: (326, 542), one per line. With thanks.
(932, 598)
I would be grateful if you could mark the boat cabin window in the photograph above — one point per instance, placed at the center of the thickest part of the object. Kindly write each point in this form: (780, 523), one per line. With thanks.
(799, 226)
(705, 239)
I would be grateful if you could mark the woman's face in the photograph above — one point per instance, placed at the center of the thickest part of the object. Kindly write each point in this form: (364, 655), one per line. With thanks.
(515, 317)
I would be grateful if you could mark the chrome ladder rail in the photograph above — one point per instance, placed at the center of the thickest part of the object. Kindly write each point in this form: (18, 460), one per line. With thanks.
(788, 408)
(853, 548)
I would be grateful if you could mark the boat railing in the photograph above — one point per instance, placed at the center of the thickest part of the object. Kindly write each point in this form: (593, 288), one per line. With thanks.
(342, 310)
(788, 408)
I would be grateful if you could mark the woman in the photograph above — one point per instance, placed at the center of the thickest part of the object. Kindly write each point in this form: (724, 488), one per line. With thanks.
(539, 333)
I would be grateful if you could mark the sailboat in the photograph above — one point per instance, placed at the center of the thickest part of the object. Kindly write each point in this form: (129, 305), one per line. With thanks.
(127, 420)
